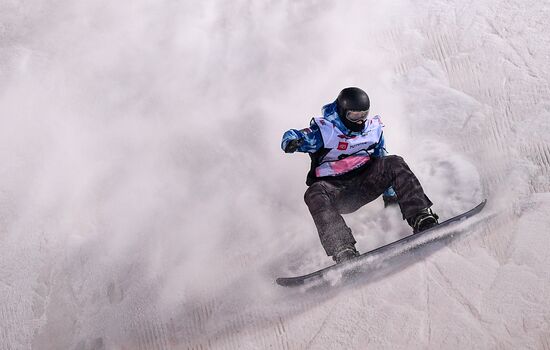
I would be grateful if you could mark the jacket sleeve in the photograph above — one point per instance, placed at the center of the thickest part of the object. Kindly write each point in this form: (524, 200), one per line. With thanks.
(312, 140)
(380, 149)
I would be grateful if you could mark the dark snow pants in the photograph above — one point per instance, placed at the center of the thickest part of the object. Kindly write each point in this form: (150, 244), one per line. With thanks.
(328, 199)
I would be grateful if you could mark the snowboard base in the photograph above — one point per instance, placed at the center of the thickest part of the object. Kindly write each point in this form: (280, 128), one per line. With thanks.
(367, 260)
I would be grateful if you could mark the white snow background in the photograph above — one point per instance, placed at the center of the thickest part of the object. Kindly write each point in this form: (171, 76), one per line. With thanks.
(145, 202)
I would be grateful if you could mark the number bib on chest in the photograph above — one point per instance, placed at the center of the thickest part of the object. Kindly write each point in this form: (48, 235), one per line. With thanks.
(346, 153)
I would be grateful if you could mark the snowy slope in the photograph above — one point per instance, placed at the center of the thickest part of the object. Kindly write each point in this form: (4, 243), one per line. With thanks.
(145, 203)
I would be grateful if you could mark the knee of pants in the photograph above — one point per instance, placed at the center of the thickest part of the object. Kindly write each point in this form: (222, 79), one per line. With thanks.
(317, 195)
(397, 162)
(395, 159)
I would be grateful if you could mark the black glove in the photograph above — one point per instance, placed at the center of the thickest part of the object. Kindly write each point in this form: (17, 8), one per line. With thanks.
(389, 201)
(293, 145)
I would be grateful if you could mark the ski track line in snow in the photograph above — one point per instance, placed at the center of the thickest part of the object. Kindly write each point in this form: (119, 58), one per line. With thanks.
(151, 333)
(464, 75)
(492, 61)
(8, 318)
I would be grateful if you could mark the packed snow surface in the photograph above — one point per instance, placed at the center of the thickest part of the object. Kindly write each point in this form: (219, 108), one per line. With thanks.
(145, 203)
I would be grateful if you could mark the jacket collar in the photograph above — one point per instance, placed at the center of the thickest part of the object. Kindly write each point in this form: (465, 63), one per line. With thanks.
(330, 113)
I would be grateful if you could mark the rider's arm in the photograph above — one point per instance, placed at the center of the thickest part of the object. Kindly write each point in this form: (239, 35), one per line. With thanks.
(305, 140)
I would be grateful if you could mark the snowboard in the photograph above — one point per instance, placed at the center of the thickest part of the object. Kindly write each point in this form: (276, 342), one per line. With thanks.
(366, 260)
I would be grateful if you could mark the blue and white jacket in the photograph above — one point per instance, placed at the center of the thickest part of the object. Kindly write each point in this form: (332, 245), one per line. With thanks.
(313, 143)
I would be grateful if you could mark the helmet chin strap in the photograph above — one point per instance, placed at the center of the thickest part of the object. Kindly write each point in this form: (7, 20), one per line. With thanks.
(355, 127)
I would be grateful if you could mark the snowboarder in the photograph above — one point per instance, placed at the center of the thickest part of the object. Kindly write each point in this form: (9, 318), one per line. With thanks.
(350, 168)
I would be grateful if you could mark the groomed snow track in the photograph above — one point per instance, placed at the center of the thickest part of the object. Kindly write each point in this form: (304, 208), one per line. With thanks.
(144, 203)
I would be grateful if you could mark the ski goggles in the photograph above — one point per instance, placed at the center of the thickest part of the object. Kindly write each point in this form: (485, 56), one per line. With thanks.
(357, 116)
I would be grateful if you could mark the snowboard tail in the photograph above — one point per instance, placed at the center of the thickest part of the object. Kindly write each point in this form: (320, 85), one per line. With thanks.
(366, 258)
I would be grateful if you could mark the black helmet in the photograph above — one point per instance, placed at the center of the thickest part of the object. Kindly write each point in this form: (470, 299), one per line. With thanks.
(352, 99)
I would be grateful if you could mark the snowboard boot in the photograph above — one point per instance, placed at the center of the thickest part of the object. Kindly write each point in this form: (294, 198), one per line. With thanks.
(423, 220)
(345, 253)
